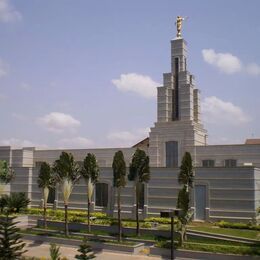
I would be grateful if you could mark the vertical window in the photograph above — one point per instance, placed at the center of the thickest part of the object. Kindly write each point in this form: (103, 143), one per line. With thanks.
(230, 163)
(101, 194)
(208, 163)
(172, 154)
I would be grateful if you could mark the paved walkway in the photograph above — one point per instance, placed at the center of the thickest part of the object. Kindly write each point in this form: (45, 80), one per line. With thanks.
(39, 249)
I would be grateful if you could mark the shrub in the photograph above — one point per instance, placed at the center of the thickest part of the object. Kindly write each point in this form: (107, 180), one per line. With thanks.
(54, 252)
(160, 220)
(224, 224)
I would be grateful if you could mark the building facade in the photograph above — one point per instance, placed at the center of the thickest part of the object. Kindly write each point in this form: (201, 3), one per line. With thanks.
(227, 177)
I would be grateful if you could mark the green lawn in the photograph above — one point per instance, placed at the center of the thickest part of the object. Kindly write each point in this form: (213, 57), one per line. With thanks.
(252, 234)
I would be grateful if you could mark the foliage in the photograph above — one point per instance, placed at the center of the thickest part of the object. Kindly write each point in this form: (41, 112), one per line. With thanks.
(119, 169)
(55, 252)
(186, 175)
(159, 220)
(11, 244)
(216, 248)
(90, 173)
(66, 174)
(14, 202)
(85, 251)
(45, 182)
(224, 224)
(139, 172)
(6, 173)
(119, 172)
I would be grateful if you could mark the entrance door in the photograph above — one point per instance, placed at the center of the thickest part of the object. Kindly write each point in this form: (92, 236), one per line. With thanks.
(200, 202)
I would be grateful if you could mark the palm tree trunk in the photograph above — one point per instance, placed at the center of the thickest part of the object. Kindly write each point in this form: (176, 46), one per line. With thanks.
(119, 214)
(44, 216)
(66, 220)
(89, 228)
(137, 211)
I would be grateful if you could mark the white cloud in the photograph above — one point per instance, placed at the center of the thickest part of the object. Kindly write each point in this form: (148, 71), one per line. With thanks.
(219, 112)
(76, 142)
(127, 138)
(58, 122)
(253, 69)
(225, 62)
(19, 143)
(137, 83)
(8, 13)
(3, 68)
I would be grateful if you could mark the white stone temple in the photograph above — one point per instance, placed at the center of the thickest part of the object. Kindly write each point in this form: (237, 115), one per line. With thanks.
(227, 177)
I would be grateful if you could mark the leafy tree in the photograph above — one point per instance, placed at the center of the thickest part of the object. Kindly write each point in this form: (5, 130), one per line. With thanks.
(90, 173)
(85, 251)
(186, 177)
(119, 173)
(55, 252)
(45, 182)
(16, 201)
(139, 172)
(11, 244)
(6, 175)
(66, 174)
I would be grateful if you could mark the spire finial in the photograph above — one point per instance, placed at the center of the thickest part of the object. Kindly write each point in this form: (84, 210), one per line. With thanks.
(178, 24)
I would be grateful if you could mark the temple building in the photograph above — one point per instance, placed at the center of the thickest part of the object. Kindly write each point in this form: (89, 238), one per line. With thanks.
(227, 177)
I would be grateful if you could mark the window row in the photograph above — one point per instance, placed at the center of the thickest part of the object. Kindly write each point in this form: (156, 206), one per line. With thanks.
(227, 163)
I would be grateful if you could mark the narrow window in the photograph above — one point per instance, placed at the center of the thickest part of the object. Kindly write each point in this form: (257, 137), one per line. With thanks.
(172, 154)
(208, 163)
(101, 194)
(230, 163)
(52, 195)
(141, 197)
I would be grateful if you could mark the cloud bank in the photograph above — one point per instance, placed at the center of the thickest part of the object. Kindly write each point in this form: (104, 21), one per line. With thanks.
(216, 111)
(8, 13)
(229, 63)
(136, 83)
(58, 122)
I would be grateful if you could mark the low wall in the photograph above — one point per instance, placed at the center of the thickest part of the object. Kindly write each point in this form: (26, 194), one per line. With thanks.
(132, 249)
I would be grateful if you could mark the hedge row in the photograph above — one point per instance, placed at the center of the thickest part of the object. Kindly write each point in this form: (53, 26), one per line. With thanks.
(224, 224)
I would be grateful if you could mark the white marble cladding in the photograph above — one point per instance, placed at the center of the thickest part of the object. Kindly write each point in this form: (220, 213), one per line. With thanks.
(232, 193)
(242, 153)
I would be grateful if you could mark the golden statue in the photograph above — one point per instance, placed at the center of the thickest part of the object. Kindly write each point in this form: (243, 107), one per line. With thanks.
(178, 24)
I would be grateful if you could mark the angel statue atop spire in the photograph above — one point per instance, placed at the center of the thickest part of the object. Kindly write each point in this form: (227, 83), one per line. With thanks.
(178, 24)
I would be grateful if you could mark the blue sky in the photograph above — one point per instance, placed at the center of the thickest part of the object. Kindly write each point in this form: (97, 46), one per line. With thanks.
(79, 73)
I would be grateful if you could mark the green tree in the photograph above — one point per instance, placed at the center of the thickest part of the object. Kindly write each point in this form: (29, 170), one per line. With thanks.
(119, 173)
(6, 175)
(139, 172)
(66, 174)
(54, 252)
(186, 178)
(11, 244)
(90, 173)
(85, 251)
(45, 182)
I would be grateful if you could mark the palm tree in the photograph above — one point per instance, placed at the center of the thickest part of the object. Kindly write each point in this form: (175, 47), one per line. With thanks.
(67, 173)
(90, 173)
(45, 182)
(119, 172)
(139, 172)
(6, 175)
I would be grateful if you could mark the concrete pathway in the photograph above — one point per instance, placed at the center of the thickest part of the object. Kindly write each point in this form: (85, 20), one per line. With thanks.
(39, 249)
